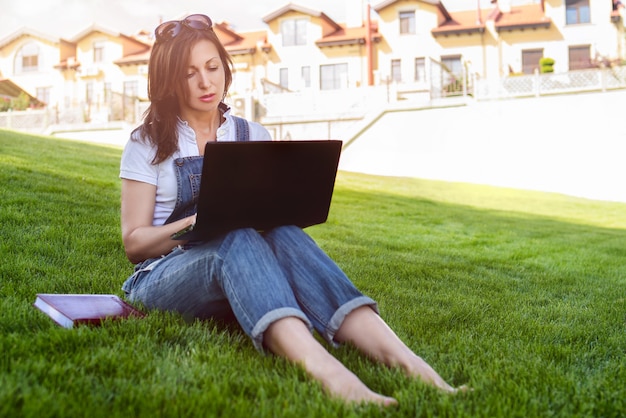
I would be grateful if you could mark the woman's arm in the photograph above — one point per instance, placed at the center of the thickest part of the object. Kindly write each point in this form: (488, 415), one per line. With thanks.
(141, 239)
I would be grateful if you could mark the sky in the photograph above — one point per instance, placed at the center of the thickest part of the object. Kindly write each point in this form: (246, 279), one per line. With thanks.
(67, 18)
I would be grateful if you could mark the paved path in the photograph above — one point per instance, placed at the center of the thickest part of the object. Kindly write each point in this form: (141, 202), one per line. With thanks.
(573, 144)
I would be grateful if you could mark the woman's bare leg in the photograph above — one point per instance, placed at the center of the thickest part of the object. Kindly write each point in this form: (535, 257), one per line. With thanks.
(368, 332)
(290, 338)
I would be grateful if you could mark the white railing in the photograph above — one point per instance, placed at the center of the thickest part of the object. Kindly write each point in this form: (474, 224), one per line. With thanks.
(597, 79)
(42, 120)
(33, 120)
(346, 107)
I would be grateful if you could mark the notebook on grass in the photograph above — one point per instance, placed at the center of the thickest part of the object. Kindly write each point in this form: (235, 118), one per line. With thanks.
(264, 184)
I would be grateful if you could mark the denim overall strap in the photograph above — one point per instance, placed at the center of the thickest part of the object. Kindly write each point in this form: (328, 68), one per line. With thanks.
(243, 130)
(189, 173)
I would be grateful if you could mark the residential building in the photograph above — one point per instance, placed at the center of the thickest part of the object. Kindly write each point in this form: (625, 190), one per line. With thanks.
(493, 43)
(308, 67)
(84, 78)
(27, 60)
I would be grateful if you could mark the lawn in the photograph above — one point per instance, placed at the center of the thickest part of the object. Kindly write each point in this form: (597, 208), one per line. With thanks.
(520, 295)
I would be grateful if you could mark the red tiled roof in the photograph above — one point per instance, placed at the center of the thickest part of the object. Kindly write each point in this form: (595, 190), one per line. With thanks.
(349, 36)
(235, 43)
(523, 17)
(463, 22)
(139, 58)
(242, 43)
(520, 17)
(136, 51)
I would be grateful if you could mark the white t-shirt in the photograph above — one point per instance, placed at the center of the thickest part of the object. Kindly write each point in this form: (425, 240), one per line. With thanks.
(136, 163)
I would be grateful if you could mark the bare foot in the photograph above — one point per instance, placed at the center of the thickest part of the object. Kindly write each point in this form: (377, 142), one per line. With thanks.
(417, 367)
(463, 389)
(369, 333)
(290, 338)
(343, 384)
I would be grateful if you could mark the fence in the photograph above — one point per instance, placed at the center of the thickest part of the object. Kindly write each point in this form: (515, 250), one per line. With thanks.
(596, 79)
(33, 120)
(120, 109)
(276, 109)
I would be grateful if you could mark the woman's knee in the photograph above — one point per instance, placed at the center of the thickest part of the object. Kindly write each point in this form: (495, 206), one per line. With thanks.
(243, 233)
(288, 234)
(245, 243)
(242, 236)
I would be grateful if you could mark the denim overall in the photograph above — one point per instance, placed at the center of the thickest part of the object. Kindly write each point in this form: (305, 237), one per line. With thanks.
(189, 173)
(257, 278)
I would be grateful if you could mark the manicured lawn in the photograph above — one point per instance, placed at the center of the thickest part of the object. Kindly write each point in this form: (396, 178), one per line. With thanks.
(519, 294)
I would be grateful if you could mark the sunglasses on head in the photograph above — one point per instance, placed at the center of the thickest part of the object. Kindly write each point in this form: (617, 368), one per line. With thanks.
(169, 30)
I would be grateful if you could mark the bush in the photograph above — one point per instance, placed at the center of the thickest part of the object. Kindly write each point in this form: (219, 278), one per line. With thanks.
(546, 65)
(21, 102)
(5, 104)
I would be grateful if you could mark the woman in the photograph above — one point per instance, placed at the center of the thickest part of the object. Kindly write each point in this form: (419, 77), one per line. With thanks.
(279, 285)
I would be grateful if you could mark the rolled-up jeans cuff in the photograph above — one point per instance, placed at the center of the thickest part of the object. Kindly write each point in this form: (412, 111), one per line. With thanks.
(338, 317)
(269, 318)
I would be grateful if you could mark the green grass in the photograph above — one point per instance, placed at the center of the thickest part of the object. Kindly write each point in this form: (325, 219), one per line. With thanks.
(518, 294)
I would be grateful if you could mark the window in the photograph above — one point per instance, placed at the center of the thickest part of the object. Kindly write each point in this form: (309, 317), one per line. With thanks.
(283, 75)
(407, 22)
(27, 58)
(89, 92)
(579, 57)
(530, 60)
(306, 77)
(420, 70)
(577, 11)
(131, 88)
(43, 94)
(453, 68)
(396, 71)
(293, 32)
(98, 52)
(334, 76)
(108, 91)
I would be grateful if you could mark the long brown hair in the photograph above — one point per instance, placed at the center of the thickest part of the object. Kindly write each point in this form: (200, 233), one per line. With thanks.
(167, 83)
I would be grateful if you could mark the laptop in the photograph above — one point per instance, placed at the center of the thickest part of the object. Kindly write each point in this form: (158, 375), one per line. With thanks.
(262, 185)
